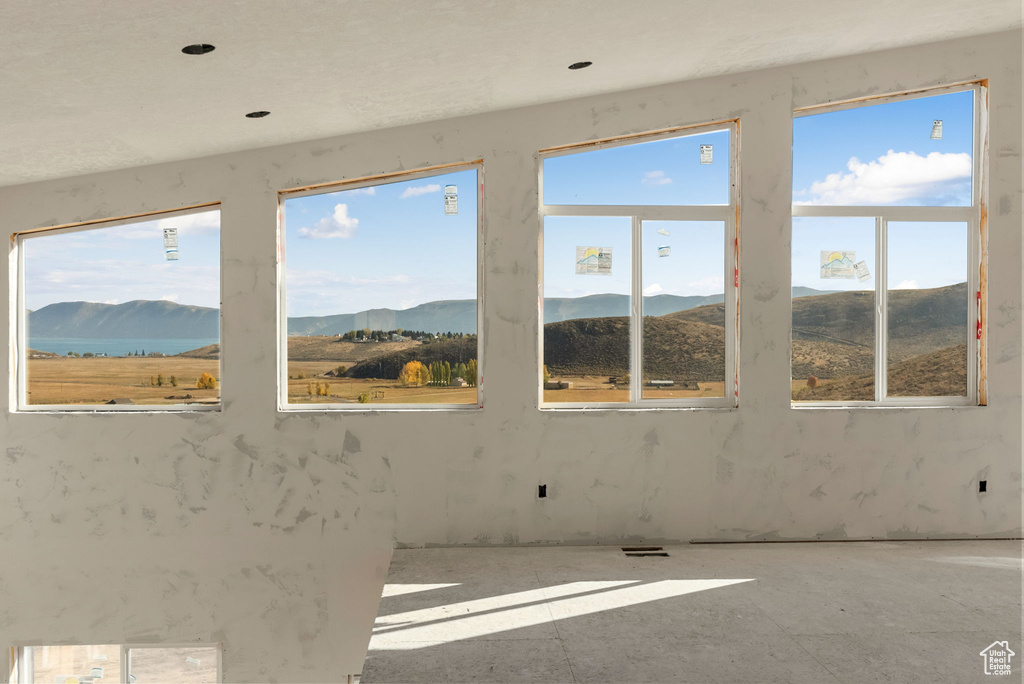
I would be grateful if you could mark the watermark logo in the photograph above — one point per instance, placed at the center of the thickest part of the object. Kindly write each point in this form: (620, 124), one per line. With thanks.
(997, 658)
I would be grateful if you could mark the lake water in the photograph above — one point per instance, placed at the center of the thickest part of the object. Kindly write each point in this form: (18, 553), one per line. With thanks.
(117, 347)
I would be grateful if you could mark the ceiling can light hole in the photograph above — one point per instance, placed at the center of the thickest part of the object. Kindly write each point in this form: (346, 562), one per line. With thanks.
(579, 65)
(257, 115)
(198, 49)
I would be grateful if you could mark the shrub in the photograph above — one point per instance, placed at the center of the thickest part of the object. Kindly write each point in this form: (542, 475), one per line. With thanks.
(412, 374)
(364, 398)
(812, 381)
(206, 381)
(174, 381)
(160, 380)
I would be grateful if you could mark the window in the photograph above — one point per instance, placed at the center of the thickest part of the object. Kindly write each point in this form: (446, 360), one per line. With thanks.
(136, 664)
(887, 251)
(639, 271)
(121, 314)
(380, 304)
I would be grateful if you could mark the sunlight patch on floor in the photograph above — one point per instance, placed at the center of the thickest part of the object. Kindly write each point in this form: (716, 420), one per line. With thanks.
(518, 610)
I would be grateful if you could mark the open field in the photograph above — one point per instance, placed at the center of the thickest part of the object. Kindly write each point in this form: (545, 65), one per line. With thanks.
(347, 390)
(595, 388)
(63, 380)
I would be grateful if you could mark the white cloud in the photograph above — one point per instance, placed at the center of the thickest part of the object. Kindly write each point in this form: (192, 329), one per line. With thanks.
(895, 177)
(907, 285)
(363, 191)
(169, 298)
(337, 225)
(706, 286)
(418, 190)
(656, 178)
(652, 289)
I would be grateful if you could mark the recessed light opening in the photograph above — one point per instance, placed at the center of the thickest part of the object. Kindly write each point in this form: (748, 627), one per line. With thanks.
(579, 65)
(198, 49)
(256, 115)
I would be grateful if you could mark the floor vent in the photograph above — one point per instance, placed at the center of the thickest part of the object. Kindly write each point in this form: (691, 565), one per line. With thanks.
(644, 551)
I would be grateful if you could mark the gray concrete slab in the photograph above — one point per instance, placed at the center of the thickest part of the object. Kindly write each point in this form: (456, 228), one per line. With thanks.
(814, 612)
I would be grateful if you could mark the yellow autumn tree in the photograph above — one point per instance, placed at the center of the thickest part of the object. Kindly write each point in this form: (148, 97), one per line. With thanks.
(413, 373)
(206, 381)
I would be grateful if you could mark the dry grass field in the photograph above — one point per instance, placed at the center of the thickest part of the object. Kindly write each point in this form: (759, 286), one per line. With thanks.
(63, 380)
(347, 390)
(590, 389)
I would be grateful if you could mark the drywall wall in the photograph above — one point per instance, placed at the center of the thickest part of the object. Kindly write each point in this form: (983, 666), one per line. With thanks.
(254, 528)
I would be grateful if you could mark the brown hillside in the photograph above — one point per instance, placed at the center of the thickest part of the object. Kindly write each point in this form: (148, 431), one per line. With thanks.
(331, 348)
(674, 349)
(920, 321)
(941, 373)
(711, 314)
(210, 351)
(388, 365)
(827, 360)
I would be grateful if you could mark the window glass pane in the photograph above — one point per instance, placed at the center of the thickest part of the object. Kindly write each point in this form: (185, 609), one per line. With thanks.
(885, 154)
(382, 293)
(72, 664)
(928, 309)
(659, 172)
(684, 309)
(586, 309)
(112, 319)
(833, 309)
(191, 665)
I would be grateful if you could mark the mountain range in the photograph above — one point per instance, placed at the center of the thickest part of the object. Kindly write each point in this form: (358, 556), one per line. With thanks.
(163, 319)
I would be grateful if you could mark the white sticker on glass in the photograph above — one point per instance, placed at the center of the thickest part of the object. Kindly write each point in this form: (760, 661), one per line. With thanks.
(861, 270)
(171, 243)
(662, 231)
(451, 200)
(937, 129)
(837, 264)
(707, 154)
(593, 261)
(664, 251)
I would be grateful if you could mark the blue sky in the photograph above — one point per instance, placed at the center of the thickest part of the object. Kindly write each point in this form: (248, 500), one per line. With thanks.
(389, 246)
(393, 246)
(117, 264)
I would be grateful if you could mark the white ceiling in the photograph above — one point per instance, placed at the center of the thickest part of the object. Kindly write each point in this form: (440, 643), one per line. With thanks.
(94, 85)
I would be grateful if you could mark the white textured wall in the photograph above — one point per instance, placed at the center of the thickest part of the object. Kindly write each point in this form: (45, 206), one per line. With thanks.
(268, 531)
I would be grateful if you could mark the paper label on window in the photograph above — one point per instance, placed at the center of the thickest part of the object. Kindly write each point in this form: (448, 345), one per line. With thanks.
(451, 200)
(664, 251)
(937, 129)
(171, 243)
(837, 265)
(662, 231)
(861, 270)
(193, 661)
(593, 261)
(706, 154)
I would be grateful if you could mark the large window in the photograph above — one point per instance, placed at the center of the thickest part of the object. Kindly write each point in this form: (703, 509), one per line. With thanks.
(380, 304)
(887, 251)
(135, 664)
(120, 315)
(639, 271)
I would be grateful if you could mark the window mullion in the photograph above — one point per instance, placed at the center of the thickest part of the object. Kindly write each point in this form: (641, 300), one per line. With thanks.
(881, 308)
(636, 312)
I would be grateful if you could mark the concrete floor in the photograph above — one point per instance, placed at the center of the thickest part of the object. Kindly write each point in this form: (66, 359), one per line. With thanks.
(817, 612)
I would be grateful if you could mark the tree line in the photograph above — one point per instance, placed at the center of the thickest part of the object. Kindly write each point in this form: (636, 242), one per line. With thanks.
(438, 373)
(367, 334)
